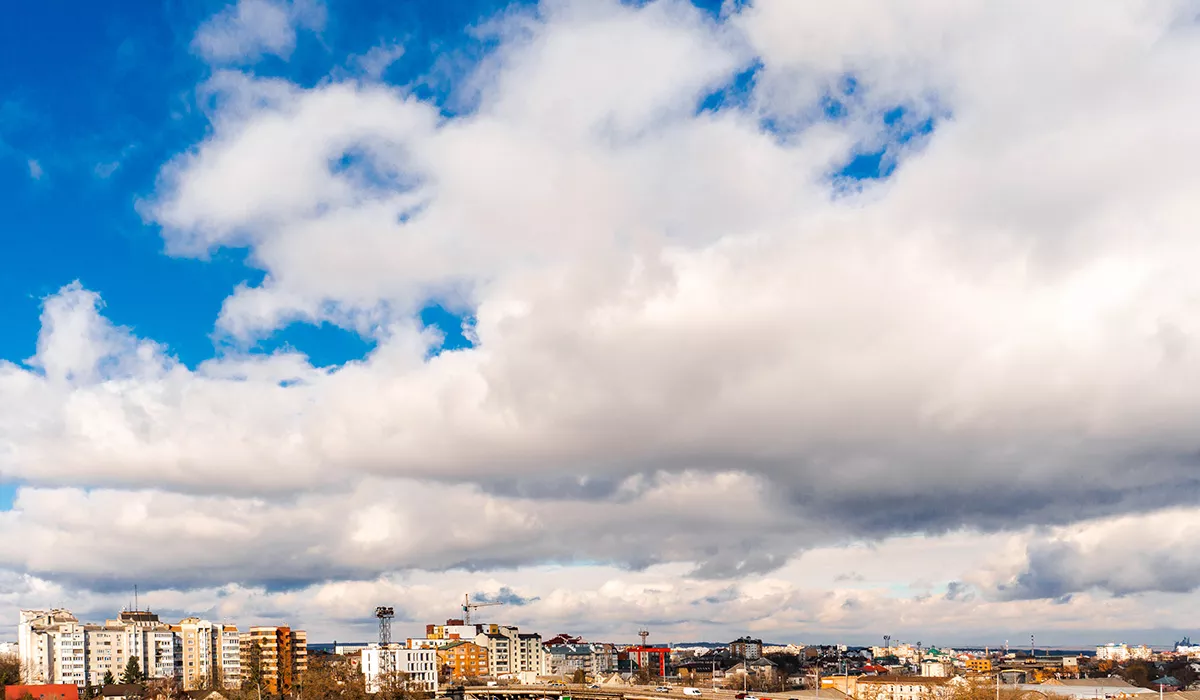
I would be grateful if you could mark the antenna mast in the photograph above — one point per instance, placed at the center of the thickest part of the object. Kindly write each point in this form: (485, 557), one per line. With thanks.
(385, 615)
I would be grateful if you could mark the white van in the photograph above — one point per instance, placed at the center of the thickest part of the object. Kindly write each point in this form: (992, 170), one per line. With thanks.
(691, 691)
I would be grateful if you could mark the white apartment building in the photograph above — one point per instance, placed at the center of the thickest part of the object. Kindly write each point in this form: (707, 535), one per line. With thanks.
(419, 665)
(1123, 652)
(50, 646)
(54, 647)
(1113, 652)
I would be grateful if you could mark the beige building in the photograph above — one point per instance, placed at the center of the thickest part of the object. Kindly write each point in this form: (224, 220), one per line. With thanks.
(209, 654)
(509, 652)
(54, 647)
(284, 657)
(901, 688)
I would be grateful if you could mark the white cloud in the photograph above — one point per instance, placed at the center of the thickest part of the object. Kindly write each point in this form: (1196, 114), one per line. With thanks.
(35, 169)
(254, 28)
(686, 342)
(373, 63)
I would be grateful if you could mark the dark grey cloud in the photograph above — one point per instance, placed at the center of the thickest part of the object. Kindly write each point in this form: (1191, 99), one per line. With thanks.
(1122, 556)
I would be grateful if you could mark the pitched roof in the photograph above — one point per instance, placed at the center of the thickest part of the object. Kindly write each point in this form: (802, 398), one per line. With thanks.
(121, 690)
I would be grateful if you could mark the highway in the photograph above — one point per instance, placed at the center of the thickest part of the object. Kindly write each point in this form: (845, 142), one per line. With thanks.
(638, 692)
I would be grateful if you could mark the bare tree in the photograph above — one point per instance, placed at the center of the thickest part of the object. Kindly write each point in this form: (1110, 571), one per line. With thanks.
(396, 685)
(10, 670)
(333, 677)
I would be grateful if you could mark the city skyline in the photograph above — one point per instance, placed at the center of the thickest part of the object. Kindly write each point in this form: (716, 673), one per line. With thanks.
(813, 321)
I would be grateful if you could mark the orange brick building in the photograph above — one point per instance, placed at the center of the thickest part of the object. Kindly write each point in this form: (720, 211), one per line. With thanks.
(464, 660)
(284, 657)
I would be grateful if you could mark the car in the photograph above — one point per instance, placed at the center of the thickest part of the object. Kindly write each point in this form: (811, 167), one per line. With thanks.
(691, 691)
(662, 689)
(594, 686)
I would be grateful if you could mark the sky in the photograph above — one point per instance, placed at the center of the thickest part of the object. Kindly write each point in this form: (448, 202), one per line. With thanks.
(811, 321)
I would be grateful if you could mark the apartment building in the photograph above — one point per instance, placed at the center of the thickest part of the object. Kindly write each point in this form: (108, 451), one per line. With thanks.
(283, 657)
(510, 652)
(54, 647)
(979, 665)
(592, 659)
(209, 654)
(499, 653)
(419, 666)
(463, 660)
(1123, 652)
(746, 649)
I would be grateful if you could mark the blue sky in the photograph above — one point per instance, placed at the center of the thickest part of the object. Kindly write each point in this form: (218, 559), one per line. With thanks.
(108, 99)
(824, 319)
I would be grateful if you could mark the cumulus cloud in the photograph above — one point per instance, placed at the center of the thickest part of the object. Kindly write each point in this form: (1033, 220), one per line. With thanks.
(1123, 555)
(251, 29)
(688, 334)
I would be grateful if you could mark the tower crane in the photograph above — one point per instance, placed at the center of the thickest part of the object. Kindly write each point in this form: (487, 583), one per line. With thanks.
(468, 606)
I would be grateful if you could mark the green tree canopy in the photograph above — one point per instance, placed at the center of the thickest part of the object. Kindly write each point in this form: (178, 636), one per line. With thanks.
(132, 672)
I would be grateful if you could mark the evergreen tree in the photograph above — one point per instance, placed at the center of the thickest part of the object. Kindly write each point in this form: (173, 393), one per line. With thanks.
(108, 679)
(132, 672)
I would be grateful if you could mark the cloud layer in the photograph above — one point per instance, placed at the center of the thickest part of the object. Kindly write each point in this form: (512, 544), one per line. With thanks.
(698, 343)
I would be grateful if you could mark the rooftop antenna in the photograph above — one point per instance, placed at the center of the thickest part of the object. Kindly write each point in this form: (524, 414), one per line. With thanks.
(643, 634)
(135, 598)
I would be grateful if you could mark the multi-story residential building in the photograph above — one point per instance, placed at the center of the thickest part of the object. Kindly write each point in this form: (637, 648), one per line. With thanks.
(979, 665)
(38, 646)
(592, 659)
(1115, 652)
(463, 660)
(499, 650)
(283, 656)
(230, 656)
(418, 666)
(746, 648)
(54, 647)
(209, 654)
(510, 652)
(529, 656)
